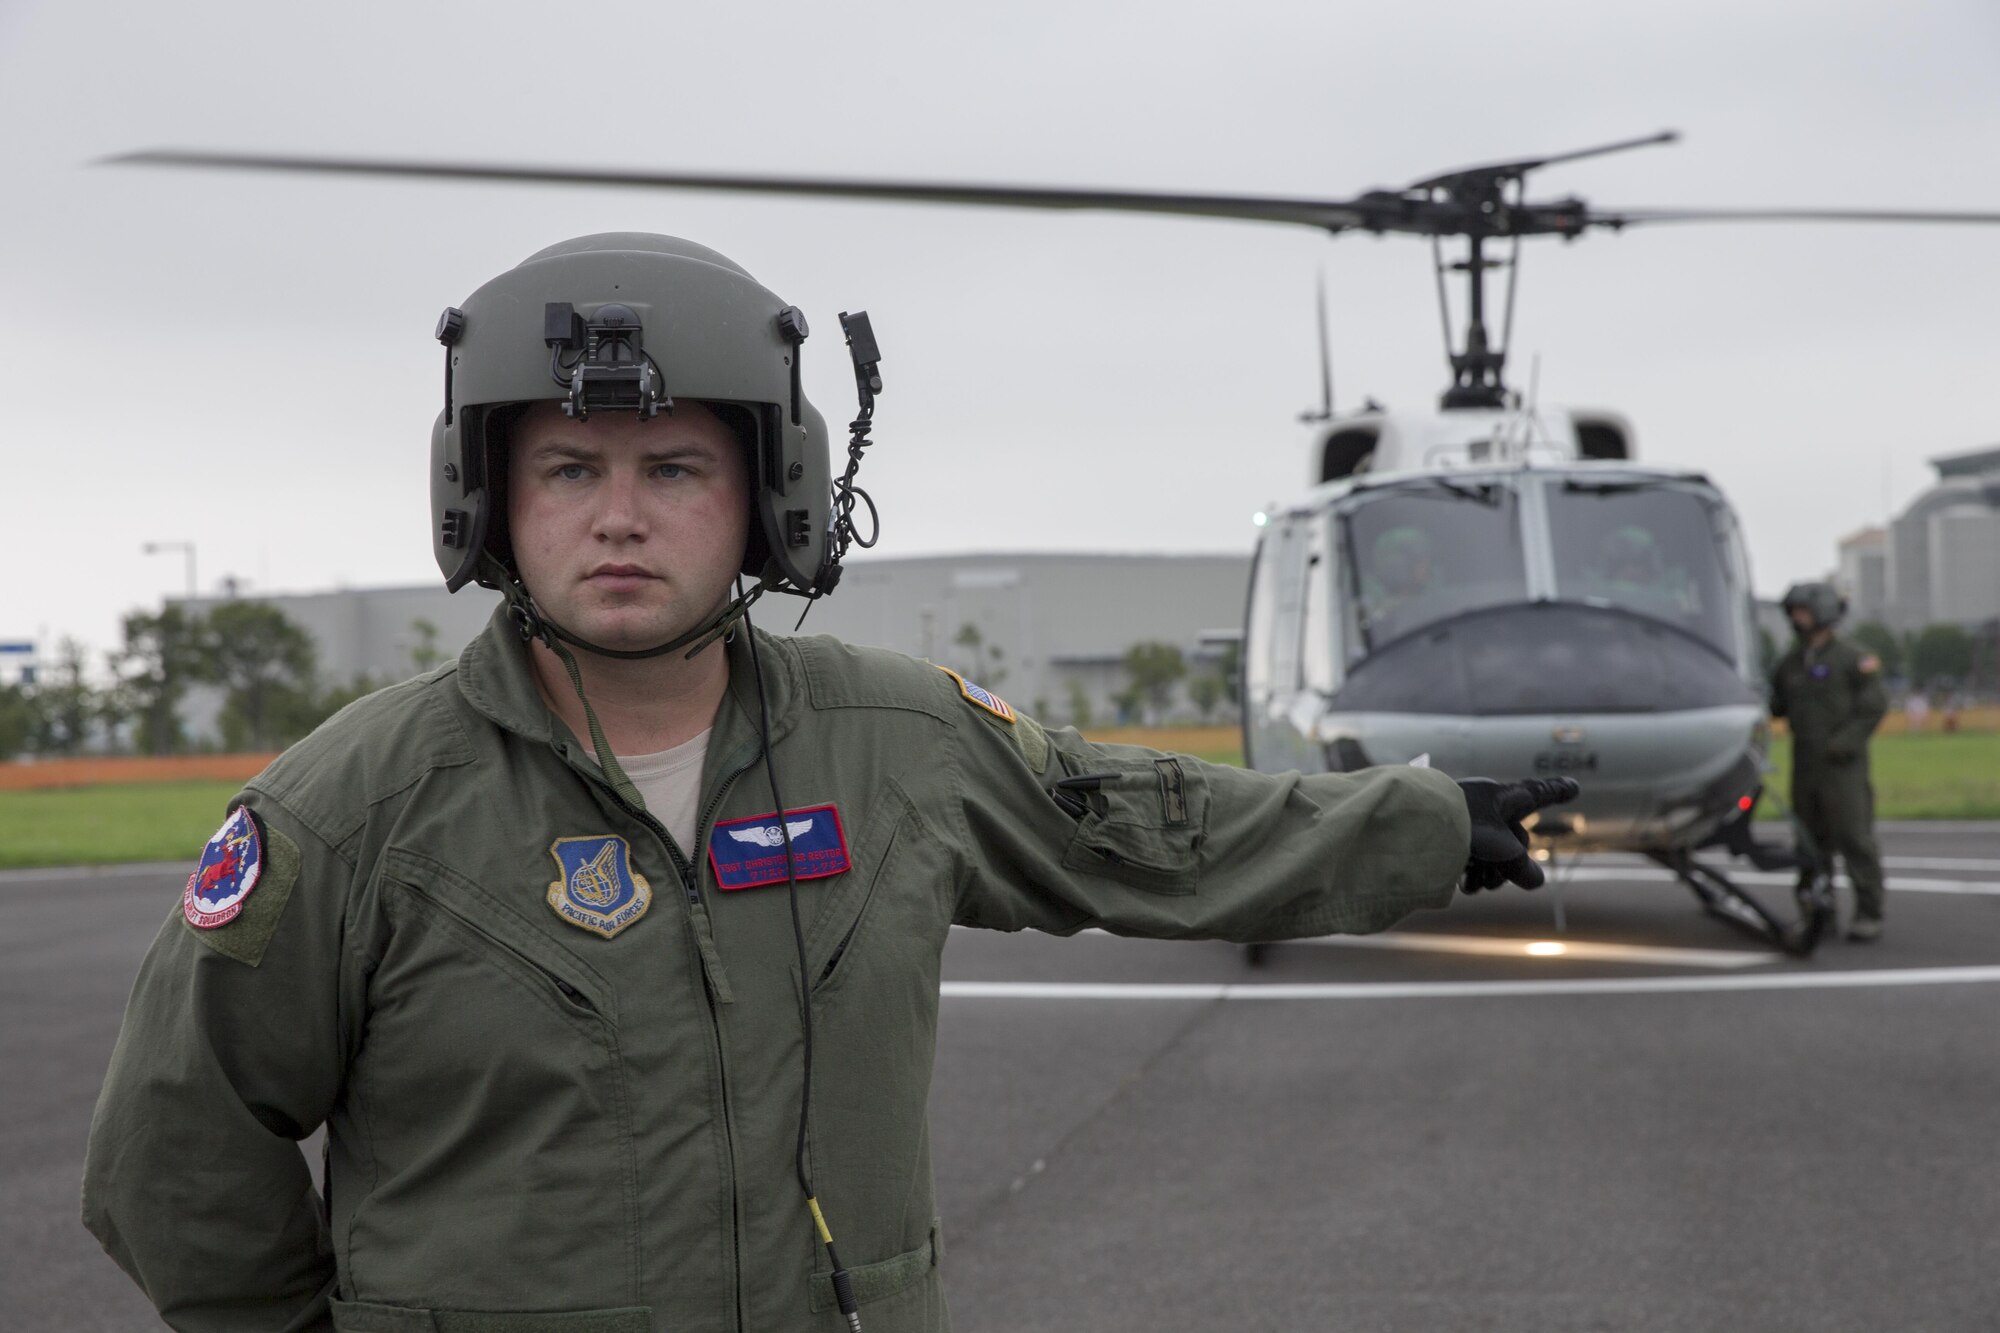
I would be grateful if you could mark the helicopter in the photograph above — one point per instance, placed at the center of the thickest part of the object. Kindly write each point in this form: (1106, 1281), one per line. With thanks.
(1499, 587)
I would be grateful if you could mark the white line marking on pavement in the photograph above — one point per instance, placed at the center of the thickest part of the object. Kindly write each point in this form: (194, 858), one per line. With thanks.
(1490, 946)
(1785, 879)
(1423, 990)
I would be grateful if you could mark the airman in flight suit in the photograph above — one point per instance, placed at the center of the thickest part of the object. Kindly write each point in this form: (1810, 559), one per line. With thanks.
(588, 1030)
(1831, 691)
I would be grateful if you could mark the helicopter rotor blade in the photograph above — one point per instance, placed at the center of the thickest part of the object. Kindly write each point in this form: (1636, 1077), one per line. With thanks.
(1328, 215)
(1626, 217)
(1520, 167)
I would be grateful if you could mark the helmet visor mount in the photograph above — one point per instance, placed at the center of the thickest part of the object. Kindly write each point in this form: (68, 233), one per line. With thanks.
(601, 359)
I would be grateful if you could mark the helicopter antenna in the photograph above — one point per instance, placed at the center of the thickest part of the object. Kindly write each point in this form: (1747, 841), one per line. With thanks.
(1325, 412)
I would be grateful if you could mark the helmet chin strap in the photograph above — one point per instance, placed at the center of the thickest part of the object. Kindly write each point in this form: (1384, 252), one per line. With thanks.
(533, 625)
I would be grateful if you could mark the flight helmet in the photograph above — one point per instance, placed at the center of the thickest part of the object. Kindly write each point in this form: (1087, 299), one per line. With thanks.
(1821, 600)
(628, 322)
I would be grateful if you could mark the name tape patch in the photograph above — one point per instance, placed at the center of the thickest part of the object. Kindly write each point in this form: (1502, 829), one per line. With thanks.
(747, 853)
(230, 866)
(599, 890)
(980, 697)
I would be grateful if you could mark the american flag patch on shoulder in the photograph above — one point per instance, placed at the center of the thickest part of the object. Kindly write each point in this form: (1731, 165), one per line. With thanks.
(980, 697)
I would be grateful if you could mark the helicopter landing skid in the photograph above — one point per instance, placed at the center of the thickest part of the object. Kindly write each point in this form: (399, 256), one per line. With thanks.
(1721, 897)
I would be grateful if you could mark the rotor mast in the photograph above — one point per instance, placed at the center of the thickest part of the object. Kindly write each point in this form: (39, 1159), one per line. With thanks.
(1474, 203)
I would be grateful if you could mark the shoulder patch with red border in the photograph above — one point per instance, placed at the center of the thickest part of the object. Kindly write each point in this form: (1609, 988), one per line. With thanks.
(230, 867)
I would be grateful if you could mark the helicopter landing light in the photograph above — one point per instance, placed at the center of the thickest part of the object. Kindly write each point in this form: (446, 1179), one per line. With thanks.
(1567, 735)
(1546, 949)
(1260, 518)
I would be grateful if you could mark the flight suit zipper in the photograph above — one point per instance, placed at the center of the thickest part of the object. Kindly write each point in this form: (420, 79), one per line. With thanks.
(717, 988)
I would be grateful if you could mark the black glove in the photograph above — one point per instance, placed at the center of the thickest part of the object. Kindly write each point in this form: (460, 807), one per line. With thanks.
(1499, 843)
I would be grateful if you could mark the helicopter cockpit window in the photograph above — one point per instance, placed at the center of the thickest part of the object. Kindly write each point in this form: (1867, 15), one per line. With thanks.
(1651, 549)
(1422, 553)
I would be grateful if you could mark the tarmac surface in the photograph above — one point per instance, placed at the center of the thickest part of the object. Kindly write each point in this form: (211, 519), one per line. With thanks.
(1663, 1125)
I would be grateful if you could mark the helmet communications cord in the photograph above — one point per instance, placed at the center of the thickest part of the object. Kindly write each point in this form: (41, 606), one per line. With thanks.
(843, 1281)
(842, 535)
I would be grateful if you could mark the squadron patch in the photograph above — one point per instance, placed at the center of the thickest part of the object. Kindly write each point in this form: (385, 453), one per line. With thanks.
(230, 866)
(599, 891)
(980, 697)
(1870, 664)
(746, 853)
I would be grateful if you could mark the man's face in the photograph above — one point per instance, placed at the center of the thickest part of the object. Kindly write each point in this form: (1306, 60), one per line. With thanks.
(628, 532)
(1802, 620)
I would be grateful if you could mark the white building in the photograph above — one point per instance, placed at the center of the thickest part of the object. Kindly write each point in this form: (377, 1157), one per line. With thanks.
(1944, 549)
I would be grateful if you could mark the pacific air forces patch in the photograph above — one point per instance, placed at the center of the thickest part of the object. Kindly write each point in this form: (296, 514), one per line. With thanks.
(980, 697)
(230, 866)
(599, 891)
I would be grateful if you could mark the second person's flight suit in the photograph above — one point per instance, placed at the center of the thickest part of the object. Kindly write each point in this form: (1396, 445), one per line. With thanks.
(1833, 698)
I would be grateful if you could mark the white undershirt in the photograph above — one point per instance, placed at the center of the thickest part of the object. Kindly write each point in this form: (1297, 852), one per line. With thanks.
(670, 783)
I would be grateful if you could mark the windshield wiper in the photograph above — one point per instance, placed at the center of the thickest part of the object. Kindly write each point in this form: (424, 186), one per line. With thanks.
(1574, 487)
(1485, 492)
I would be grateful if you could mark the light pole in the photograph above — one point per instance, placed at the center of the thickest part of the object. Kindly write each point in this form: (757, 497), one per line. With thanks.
(185, 548)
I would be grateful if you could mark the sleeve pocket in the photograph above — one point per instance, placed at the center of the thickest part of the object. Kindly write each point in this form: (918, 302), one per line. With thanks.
(1145, 826)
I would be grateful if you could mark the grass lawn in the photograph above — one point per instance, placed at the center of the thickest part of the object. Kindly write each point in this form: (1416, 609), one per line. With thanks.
(1928, 776)
(1925, 776)
(139, 821)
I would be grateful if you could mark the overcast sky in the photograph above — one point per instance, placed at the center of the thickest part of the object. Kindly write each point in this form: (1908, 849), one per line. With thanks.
(246, 361)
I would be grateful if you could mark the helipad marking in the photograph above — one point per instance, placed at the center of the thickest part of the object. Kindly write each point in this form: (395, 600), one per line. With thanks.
(1448, 990)
(1489, 946)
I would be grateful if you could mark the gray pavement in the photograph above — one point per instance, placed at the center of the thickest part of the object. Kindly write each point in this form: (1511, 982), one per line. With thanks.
(1393, 1151)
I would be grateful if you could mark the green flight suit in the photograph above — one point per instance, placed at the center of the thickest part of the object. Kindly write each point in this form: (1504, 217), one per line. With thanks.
(1834, 699)
(527, 1117)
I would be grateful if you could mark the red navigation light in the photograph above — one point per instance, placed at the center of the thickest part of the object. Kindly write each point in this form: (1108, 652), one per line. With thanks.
(1745, 802)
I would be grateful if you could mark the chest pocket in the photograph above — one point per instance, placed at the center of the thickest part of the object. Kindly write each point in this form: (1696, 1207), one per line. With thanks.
(1139, 821)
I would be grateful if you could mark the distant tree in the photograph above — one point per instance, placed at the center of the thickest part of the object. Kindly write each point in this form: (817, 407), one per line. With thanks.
(1941, 652)
(981, 662)
(17, 720)
(337, 697)
(424, 653)
(1879, 639)
(1079, 704)
(162, 655)
(1205, 692)
(265, 663)
(1154, 668)
(64, 704)
(1230, 668)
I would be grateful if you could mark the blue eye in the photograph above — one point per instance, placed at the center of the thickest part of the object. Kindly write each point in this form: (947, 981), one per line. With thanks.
(570, 471)
(670, 470)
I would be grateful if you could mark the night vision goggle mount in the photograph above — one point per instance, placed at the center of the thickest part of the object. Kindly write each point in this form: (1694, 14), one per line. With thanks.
(602, 360)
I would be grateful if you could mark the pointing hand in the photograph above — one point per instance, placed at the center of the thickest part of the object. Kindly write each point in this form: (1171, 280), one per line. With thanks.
(1499, 843)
